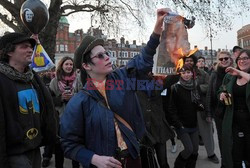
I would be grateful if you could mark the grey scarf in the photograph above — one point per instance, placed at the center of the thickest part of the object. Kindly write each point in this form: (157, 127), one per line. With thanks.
(13, 74)
(191, 85)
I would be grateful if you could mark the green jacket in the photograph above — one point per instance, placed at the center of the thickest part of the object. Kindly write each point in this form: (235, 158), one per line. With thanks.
(227, 141)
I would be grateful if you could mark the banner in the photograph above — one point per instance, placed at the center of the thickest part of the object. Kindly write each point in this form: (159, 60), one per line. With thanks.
(40, 59)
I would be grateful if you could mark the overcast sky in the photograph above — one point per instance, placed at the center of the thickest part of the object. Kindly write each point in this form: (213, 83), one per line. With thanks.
(197, 36)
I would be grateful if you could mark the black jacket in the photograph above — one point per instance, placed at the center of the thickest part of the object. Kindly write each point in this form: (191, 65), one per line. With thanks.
(13, 137)
(154, 112)
(158, 129)
(213, 108)
(182, 111)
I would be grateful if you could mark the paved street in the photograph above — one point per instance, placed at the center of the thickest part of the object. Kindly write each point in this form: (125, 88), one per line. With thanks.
(202, 161)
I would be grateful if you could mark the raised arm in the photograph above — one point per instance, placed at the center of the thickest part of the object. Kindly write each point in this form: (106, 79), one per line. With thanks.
(143, 63)
(236, 72)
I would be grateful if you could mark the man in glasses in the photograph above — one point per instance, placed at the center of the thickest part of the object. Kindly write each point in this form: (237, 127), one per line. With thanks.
(101, 125)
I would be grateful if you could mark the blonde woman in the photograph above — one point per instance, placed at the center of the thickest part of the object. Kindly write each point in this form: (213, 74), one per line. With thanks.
(214, 110)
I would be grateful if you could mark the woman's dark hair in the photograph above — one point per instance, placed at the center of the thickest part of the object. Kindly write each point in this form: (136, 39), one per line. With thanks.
(194, 58)
(4, 57)
(83, 76)
(83, 73)
(186, 67)
(59, 70)
(87, 59)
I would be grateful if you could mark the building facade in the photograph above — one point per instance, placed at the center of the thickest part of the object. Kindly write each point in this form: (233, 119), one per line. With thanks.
(210, 56)
(243, 37)
(67, 42)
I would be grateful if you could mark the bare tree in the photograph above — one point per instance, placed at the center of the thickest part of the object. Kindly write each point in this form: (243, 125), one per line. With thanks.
(110, 14)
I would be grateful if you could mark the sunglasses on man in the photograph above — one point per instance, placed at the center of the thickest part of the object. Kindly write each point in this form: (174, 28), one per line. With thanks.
(101, 55)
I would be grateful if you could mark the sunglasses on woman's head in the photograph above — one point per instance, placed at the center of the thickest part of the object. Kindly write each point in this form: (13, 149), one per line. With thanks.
(101, 55)
(225, 58)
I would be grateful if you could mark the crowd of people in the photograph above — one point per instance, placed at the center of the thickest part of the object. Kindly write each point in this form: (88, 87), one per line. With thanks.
(99, 116)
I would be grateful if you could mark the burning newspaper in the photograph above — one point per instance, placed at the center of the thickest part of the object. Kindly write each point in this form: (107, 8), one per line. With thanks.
(174, 43)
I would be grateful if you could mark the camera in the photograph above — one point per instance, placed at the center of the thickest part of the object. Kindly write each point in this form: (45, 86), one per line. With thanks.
(67, 89)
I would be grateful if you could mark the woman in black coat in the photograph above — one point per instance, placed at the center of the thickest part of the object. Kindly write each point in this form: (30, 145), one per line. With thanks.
(183, 104)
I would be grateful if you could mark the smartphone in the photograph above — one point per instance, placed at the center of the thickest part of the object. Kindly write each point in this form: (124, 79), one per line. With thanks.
(67, 89)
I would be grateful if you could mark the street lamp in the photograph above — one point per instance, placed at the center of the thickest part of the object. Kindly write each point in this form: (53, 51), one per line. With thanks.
(211, 43)
(121, 41)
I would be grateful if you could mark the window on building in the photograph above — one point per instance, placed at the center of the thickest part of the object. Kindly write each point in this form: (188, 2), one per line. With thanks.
(113, 53)
(120, 54)
(61, 47)
(125, 54)
(132, 54)
(57, 47)
(66, 47)
(61, 26)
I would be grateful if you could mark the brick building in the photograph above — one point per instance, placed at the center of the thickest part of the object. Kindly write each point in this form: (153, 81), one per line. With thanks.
(67, 42)
(243, 36)
(123, 51)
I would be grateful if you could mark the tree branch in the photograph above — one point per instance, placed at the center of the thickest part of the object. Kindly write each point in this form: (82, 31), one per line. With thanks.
(12, 8)
(83, 8)
(131, 10)
(186, 6)
(9, 23)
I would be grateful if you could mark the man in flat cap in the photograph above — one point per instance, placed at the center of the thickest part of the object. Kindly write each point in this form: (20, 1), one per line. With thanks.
(102, 123)
(27, 116)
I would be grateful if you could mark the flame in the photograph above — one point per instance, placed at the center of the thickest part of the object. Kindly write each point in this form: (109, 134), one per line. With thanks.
(180, 51)
(180, 62)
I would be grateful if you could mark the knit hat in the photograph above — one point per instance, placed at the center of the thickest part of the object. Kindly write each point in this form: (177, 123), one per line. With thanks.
(15, 38)
(87, 44)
